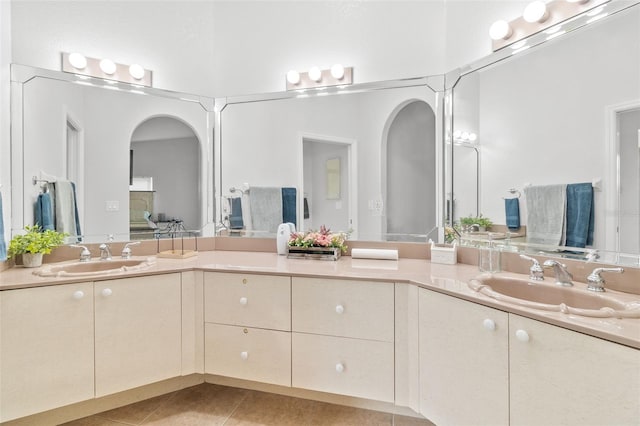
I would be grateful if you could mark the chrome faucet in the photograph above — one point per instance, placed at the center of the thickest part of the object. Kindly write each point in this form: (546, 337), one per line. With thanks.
(126, 251)
(563, 276)
(105, 249)
(85, 254)
(595, 282)
(536, 273)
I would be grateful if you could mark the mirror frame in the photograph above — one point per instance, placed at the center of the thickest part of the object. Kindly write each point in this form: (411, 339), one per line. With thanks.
(436, 83)
(22, 74)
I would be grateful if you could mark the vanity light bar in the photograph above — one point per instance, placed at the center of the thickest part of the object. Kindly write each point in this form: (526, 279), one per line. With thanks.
(315, 78)
(538, 16)
(79, 64)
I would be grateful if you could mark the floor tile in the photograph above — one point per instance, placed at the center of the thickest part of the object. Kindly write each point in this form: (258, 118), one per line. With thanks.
(93, 421)
(204, 404)
(135, 413)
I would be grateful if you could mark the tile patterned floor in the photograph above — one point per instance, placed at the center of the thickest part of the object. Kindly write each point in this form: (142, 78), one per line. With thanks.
(209, 404)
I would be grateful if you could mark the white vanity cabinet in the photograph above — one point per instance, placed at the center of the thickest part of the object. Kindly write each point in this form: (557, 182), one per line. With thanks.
(464, 364)
(137, 331)
(46, 348)
(559, 376)
(343, 337)
(507, 369)
(248, 327)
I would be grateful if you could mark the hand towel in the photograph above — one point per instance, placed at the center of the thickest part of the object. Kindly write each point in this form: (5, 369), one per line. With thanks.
(44, 212)
(3, 243)
(512, 213)
(289, 205)
(266, 208)
(546, 207)
(235, 218)
(580, 217)
(65, 208)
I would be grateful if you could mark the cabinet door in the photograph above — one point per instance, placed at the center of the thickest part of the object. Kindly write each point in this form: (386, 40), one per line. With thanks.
(464, 376)
(262, 301)
(138, 331)
(559, 376)
(248, 353)
(46, 348)
(358, 309)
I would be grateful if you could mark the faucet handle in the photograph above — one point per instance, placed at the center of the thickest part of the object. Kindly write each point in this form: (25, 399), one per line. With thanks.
(595, 282)
(85, 254)
(536, 273)
(126, 251)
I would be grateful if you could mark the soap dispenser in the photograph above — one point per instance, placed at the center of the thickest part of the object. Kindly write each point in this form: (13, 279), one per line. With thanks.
(282, 240)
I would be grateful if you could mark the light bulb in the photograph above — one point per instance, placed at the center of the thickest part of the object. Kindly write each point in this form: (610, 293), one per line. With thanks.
(473, 137)
(293, 77)
(337, 71)
(457, 134)
(78, 61)
(108, 66)
(500, 30)
(464, 136)
(315, 74)
(136, 71)
(535, 12)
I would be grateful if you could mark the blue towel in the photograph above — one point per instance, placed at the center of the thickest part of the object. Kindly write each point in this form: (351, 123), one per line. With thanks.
(580, 217)
(235, 218)
(512, 213)
(44, 212)
(289, 201)
(3, 244)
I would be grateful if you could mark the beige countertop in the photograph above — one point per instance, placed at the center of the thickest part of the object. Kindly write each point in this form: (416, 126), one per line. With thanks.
(449, 279)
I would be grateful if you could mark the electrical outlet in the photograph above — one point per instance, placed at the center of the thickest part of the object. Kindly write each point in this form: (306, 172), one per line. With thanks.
(112, 206)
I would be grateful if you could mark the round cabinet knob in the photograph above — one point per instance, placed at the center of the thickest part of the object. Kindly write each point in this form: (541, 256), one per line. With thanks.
(489, 324)
(106, 292)
(78, 294)
(339, 367)
(522, 335)
(243, 301)
(244, 281)
(244, 355)
(339, 309)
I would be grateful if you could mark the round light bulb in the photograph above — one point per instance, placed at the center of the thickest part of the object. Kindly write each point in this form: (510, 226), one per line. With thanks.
(136, 71)
(500, 30)
(473, 137)
(293, 77)
(337, 71)
(535, 12)
(315, 74)
(457, 134)
(107, 66)
(464, 136)
(78, 61)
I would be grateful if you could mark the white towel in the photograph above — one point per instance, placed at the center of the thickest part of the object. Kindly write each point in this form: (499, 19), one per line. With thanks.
(546, 211)
(65, 207)
(266, 208)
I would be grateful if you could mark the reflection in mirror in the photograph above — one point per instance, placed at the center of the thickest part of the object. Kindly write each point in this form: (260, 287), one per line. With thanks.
(546, 116)
(385, 140)
(83, 130)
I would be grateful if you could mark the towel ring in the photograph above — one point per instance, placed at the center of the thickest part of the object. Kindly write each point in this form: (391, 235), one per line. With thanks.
(513, 191)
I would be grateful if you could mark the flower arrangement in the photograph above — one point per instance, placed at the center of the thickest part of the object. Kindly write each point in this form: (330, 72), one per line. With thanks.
(321, 238)
(35, 240)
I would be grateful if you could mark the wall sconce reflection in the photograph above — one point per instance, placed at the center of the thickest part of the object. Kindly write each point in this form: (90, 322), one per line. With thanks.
(337, 75)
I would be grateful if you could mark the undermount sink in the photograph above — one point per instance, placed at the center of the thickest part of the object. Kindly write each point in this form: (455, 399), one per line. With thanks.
(93, 268)
(550, 297)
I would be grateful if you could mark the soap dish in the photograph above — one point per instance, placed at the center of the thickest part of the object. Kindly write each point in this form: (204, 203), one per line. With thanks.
(443, 253)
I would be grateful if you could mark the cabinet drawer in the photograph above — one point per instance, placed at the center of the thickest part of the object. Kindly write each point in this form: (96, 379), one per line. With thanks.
(353, 367)
(248, 353)
(262, 301)
(358, 309)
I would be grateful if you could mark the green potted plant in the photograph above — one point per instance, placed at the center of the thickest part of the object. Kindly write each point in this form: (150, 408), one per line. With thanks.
(483, 223)
(33, 244)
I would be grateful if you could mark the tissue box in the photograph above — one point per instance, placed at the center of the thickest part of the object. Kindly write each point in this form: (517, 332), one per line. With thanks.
(441, 253)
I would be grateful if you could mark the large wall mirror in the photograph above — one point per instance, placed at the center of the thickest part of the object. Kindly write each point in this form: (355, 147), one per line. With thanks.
(134, 154)
(563, 112)
(361, 159)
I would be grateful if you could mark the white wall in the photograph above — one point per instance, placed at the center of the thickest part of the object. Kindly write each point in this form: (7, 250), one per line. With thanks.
(5, 117)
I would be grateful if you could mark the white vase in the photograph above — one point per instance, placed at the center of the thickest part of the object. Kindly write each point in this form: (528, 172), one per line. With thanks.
(31, 260)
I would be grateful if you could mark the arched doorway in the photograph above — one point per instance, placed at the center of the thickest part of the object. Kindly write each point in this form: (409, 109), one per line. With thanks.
(409, 171)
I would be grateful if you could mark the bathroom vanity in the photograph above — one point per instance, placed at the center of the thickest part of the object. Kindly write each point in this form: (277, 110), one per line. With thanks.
(401, 336)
